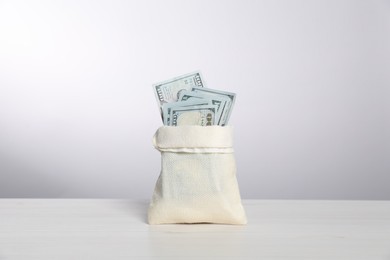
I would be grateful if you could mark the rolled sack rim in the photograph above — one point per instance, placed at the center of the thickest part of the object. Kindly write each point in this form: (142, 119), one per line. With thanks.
(187, 138)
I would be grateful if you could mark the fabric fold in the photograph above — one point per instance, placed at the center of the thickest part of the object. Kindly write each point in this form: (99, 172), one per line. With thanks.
(168, 137)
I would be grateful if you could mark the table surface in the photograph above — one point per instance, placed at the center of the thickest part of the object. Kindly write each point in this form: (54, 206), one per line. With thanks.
(117, 229)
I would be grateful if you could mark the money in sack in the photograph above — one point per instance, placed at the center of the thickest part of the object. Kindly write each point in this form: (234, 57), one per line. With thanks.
(197, 182)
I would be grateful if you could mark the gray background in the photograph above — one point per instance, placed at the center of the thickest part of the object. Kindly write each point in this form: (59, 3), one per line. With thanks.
(77, 110)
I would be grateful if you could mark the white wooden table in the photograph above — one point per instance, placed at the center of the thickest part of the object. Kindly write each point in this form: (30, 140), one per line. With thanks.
(117, 229)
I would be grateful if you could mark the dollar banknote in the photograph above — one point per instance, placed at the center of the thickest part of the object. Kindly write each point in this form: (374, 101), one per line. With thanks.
(196, 115)
(181, 104)
(219, 101)
(229, 105)
(168, 91)
(185, 100)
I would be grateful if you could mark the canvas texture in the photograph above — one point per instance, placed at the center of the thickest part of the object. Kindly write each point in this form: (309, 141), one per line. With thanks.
(197, 182)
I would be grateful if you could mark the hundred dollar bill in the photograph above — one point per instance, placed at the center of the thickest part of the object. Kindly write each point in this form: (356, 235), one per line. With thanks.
(166, 108)
(196, 115)
(168, 91)
(229, 105)
(219, 101)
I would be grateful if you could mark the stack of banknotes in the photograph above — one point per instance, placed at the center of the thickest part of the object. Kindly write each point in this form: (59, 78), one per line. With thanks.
(185, 100)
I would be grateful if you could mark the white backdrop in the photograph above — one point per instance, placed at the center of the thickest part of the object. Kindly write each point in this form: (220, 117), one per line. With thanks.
(311, 119)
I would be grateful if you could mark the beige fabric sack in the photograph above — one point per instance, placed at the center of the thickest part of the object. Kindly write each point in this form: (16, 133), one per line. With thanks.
(197, 183)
